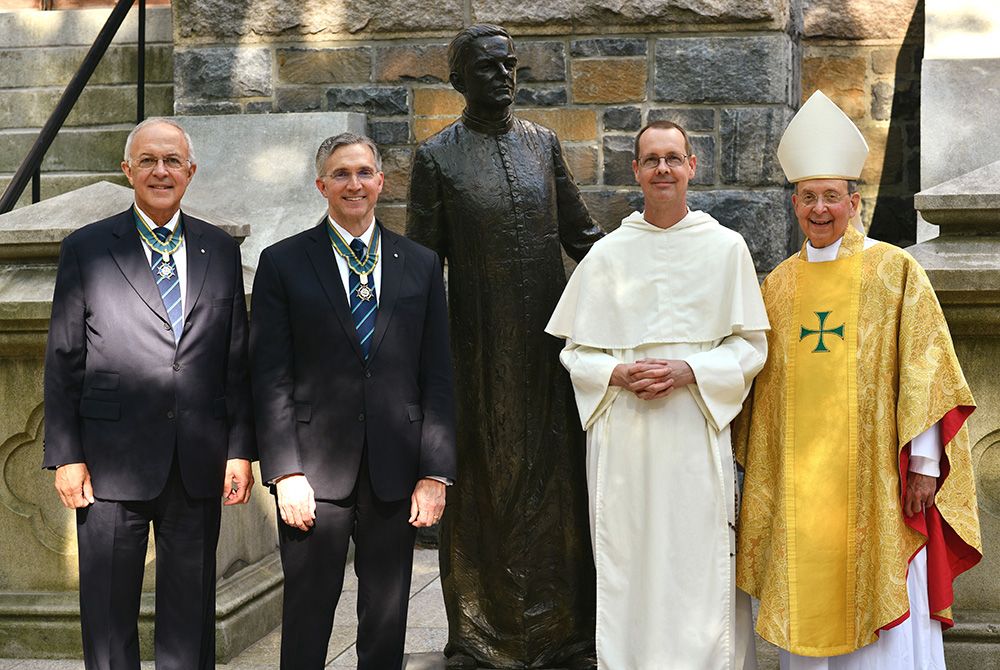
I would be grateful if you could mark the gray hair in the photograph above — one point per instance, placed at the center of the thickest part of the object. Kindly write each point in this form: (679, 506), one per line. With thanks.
(150, 121)
(331, 144)
(463, 41)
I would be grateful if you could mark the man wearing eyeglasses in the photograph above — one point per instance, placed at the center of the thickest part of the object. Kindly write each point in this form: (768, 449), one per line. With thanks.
(665, 330)
(147, 406)
(859, 505)
(352, 384)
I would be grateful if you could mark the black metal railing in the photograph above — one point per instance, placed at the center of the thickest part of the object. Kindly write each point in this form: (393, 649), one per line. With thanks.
(31, 167)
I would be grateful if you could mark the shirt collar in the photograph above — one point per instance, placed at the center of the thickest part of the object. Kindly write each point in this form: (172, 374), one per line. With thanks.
(365, 237)
(170, 225)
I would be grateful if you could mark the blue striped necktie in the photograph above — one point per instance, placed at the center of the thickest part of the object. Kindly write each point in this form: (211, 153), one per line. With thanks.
(165, 273)
(363, 311)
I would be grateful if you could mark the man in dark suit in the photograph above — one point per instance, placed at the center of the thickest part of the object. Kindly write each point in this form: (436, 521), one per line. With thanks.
(147, 407)
(353, 392)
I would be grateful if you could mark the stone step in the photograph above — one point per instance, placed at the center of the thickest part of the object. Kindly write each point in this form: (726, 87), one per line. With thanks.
(59, 183)
(97, 149)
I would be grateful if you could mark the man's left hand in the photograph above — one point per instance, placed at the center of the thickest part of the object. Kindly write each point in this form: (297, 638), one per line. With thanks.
(239, 479)
(427, 502)
(920, 491)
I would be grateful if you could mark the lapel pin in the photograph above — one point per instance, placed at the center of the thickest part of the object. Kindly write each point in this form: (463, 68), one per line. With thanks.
(202, 251)
(395, 255)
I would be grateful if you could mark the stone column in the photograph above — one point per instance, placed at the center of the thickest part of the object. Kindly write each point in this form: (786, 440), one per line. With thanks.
(39, 610)
(963, 264)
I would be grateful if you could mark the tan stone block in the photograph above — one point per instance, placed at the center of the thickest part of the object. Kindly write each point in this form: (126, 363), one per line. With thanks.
(884, 60)
(324, 66)
(437, 102)
(396, 167)
(425, 127)
(841, 79)
(568, 124)
(885, 155)
(582, 160)
(412, 63)
(861, 19)
(609, 81)
(392, 215)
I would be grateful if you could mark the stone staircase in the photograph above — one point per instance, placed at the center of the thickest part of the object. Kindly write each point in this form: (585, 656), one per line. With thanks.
(39, 53)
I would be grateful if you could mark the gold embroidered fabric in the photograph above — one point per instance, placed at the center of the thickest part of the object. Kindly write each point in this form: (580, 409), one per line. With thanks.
(908, 378)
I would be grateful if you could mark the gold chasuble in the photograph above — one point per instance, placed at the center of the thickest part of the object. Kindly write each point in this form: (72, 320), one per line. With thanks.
(860, 363)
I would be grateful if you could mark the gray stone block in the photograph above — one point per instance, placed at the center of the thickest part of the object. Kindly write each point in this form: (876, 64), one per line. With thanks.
(207, 108)
(233, 19)
(763, 217)
(79, 27)
(958, 129)
(540, 61)
(691, 120)
(523, 12)
(748, 70)
(608, 207)
(622, 118)
(618, 152)
(375, 100)
(750, 139)
(602, 13)
(260, 169)
(74, 149)
(55, 66)
(260, 107)
(299, 99)
(703, 147)
(542, 96)
(98, 105)
(389, 132)
(608, 46)
(222, 72)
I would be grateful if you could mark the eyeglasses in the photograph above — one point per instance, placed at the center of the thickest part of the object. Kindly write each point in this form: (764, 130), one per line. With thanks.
(343, 176)
(653, 162)
(172, 163)
(829, 198)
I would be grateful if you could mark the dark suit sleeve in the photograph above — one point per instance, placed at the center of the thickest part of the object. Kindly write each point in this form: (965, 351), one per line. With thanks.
(242, 440)
(65, 363)
(437, 389)
(272, 373)
(577, 231)
(425, 219)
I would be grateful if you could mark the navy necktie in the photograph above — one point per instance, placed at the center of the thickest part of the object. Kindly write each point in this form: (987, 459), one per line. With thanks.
(165, 273)
(364, 303)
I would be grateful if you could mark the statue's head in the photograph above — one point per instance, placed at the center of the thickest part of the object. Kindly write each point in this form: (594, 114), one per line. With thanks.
(483, 67)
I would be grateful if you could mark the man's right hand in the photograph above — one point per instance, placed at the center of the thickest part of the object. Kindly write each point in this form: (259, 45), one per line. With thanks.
(296, 502)
(73, 485)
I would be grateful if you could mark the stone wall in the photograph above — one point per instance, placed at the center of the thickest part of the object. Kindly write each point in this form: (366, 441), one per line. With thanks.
(866, 56)
(592, 70)
(39, 54)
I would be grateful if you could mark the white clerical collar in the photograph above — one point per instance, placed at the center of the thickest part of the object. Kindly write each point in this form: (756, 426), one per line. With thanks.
(829, 253)
(171, 224)
(365, 237)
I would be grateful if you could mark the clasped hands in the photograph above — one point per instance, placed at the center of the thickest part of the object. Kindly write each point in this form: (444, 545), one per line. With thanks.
(652, 378)
(297, 502)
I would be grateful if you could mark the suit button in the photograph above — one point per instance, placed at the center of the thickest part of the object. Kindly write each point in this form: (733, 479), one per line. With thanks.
(166, 326)
(361, 417)
(170, 414)
(177, 366)
(368, 374)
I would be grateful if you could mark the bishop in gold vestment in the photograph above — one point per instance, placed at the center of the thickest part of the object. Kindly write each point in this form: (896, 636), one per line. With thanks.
(859, 503)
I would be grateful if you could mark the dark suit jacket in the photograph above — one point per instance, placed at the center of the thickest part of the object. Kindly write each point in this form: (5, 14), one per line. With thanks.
(119, 396)
(317, 400)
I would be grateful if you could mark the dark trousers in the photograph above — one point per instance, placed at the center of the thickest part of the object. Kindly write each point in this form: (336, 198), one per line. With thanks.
(112, 536)
(314, 561)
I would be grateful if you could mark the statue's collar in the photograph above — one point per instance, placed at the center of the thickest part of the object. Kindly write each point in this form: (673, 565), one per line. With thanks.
(479, 125)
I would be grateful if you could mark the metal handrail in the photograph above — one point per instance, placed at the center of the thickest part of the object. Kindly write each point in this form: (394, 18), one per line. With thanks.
(30, 169)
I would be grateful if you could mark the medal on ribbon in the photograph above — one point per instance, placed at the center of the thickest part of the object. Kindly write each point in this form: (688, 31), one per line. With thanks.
(166, 247)
(360, 266)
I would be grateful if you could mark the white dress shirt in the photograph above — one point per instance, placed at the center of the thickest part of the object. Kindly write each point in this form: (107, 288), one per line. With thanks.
(180, 256)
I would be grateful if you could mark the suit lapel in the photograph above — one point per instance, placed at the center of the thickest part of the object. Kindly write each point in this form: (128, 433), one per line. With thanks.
(391, 260)
(198, 256)
(127, 251)
(320, 253)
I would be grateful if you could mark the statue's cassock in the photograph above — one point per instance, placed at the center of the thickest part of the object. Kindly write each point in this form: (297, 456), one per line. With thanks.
(497, 200)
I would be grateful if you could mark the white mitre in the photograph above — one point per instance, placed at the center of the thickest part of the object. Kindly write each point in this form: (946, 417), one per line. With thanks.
(821, 143)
